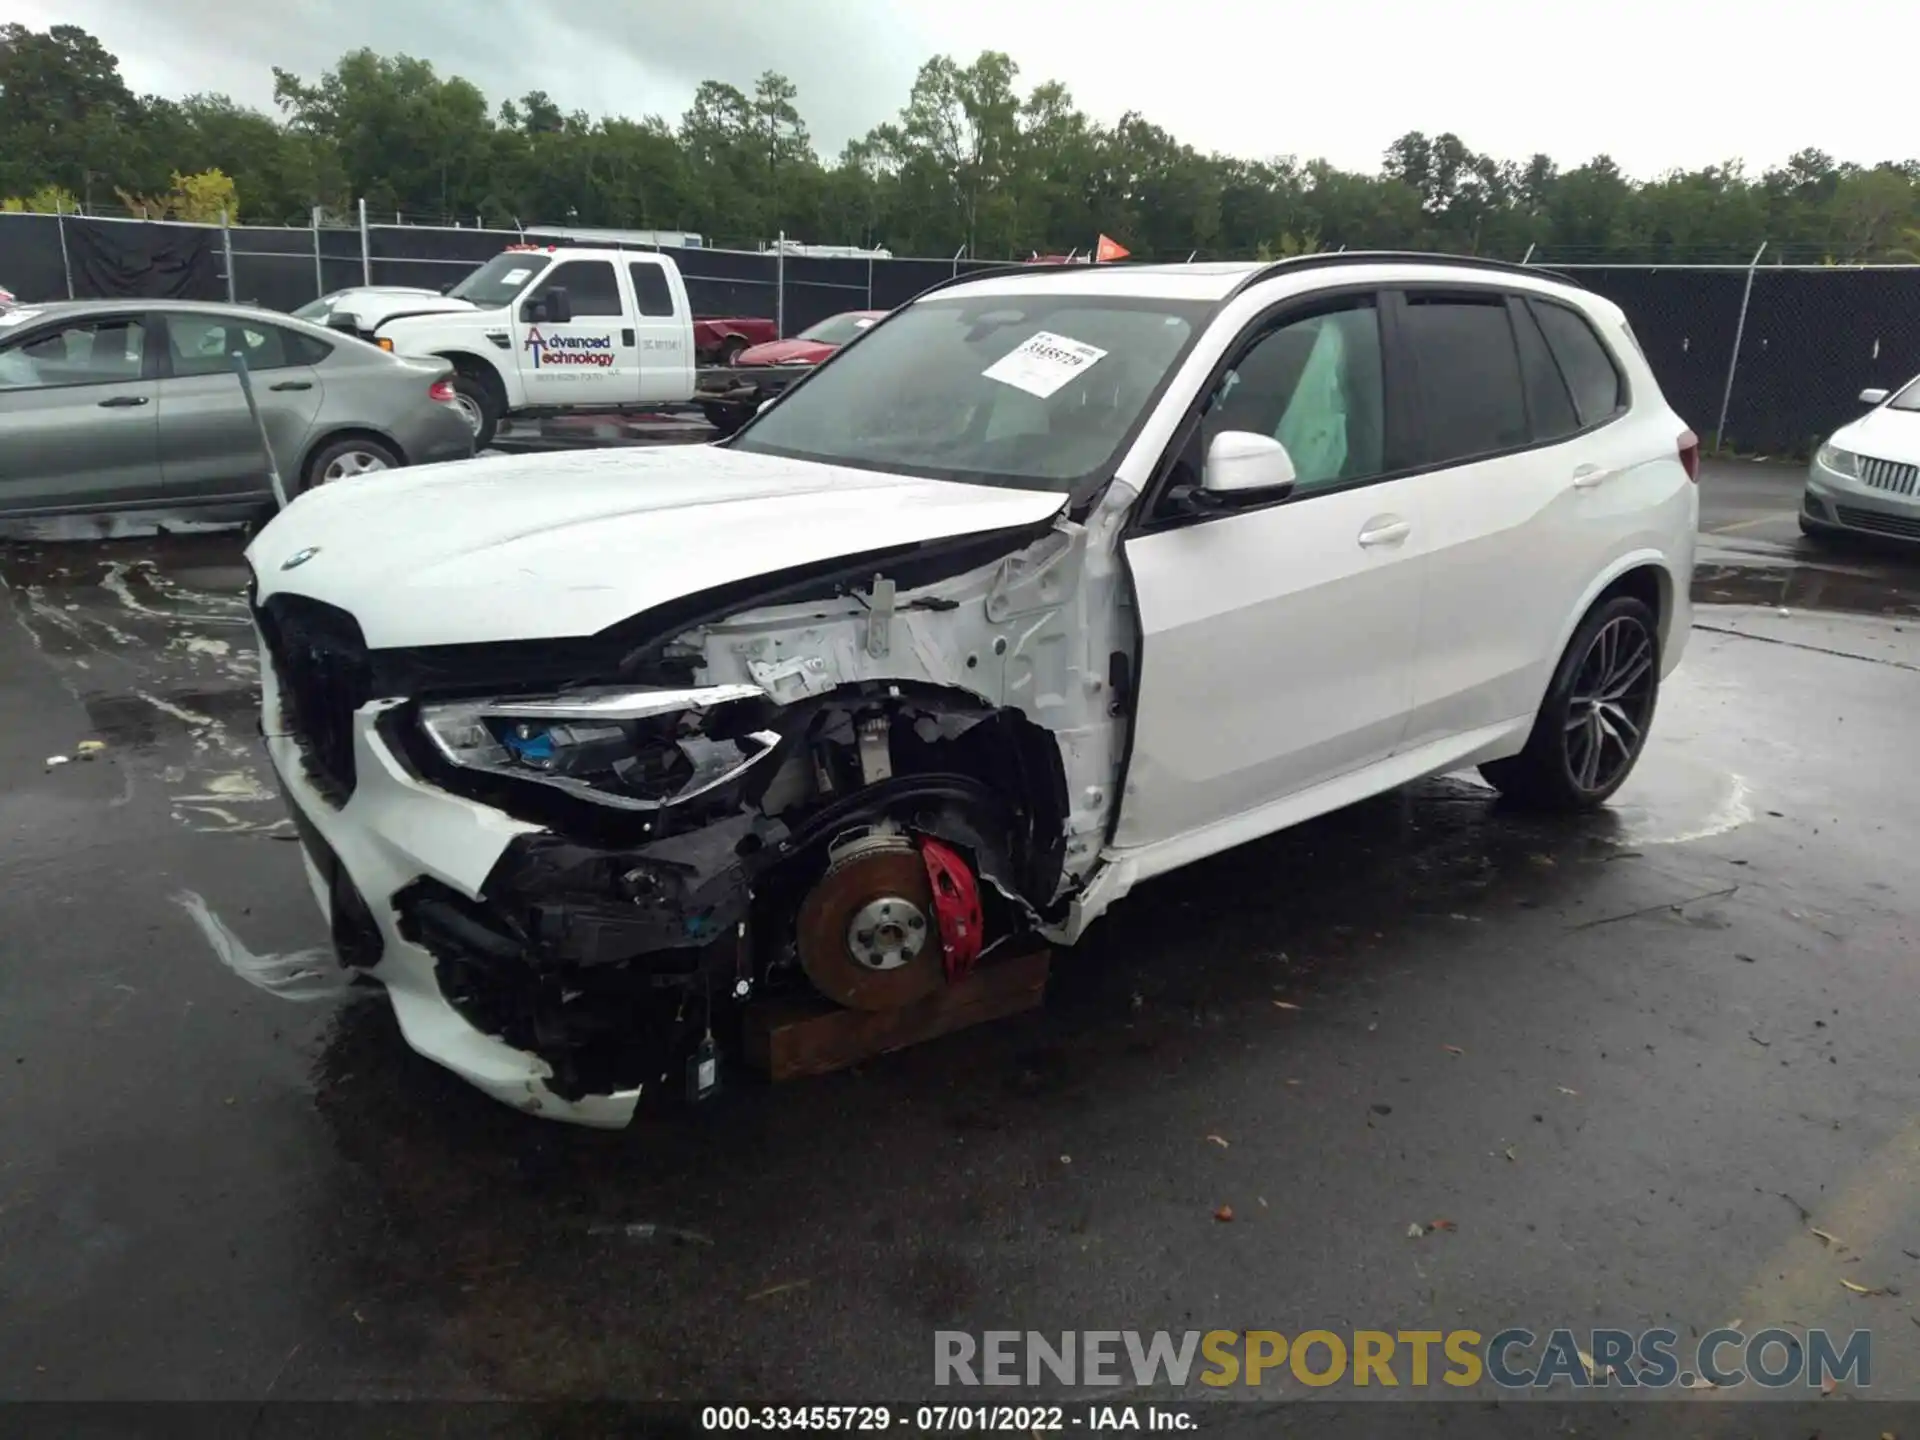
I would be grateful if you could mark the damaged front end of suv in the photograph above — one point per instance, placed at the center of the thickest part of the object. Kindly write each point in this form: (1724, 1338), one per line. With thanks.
(575, 863)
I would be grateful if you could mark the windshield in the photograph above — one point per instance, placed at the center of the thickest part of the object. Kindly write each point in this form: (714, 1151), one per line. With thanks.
(1036, 391)
(840, 329)
(1908, 398)
(497, 282)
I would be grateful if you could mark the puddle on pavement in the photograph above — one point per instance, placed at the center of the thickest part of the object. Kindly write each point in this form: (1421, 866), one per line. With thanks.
(1863, 584)
(151, 637)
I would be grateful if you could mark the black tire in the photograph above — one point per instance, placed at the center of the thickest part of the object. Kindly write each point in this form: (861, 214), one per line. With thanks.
(350, 455)
(479, 404)
(1817, 533)
(1600, 704)
(726, 418)
(732, 348)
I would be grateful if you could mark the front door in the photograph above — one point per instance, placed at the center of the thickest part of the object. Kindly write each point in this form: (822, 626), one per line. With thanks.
(209, 444)
(77, 413)
(588, 359)
(1277, 642)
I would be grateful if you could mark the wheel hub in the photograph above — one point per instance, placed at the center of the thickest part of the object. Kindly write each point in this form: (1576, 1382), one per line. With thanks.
(886, 933)
(863, 931)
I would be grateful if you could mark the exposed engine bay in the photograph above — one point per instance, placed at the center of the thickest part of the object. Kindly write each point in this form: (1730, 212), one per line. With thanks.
(862, 784)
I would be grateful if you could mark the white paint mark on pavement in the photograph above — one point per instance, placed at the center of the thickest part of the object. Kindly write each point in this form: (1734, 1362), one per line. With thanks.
(304, 975)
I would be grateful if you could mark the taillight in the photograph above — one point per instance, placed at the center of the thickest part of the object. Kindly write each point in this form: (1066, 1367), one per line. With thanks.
(1690, 454)
(441, 390)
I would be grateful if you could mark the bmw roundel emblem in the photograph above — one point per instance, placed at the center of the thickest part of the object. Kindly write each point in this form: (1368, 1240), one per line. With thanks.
(299, 558)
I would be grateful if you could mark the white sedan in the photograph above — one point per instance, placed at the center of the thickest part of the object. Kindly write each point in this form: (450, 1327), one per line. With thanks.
(1866, 479)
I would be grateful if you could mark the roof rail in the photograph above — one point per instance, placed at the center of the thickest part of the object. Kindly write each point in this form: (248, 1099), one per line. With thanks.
(1318, 260)
(1399, 257)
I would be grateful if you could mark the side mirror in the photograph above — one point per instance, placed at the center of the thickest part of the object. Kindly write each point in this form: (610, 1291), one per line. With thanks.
(1242, 467)
(1873, 397)
(559, 307)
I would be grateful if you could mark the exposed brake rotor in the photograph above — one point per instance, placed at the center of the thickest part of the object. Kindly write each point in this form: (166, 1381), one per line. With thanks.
(866, 932)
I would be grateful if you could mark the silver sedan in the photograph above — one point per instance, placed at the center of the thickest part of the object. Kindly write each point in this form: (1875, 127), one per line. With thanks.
(1866, 478)
(115, 405)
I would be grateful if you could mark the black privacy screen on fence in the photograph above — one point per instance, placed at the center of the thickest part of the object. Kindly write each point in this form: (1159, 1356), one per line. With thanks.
(1813, 337)
(1814, 340)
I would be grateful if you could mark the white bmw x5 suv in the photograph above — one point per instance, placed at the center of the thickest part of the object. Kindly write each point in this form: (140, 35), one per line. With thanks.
(1050, 582)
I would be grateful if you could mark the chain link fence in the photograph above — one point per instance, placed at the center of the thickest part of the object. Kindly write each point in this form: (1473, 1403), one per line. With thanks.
(284, 267)
(1759, 358)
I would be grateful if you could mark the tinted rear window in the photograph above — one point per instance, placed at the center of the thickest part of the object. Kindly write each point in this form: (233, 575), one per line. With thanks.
(1548, 403)
(1590, 372)
(1469, 376)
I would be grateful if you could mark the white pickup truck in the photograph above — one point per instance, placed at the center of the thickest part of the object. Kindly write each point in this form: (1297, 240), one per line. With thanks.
(542, 329)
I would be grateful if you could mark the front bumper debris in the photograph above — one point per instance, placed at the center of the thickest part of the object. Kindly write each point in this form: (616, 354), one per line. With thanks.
(393, 832)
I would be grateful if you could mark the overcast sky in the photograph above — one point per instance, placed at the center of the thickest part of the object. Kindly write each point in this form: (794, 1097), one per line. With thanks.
(1655, 83)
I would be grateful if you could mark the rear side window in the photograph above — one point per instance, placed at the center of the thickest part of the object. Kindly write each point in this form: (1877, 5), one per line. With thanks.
(305, 349)
(591, 286)
(202, 345)
(650, 287)
(1473, 400)
(1590, 371)
(1548, 403)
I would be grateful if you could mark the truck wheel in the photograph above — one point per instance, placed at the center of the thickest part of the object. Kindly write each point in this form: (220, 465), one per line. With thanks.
(731, 348)
(476, 404)
(725, 418)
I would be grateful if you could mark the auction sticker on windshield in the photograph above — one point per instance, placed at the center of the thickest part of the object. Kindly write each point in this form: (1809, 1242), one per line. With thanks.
(1043, 362)
(516, 277)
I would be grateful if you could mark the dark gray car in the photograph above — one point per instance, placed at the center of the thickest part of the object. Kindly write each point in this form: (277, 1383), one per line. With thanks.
(111, 405)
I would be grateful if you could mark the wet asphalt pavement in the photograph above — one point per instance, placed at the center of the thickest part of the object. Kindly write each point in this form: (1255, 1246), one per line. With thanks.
(1633, 1059)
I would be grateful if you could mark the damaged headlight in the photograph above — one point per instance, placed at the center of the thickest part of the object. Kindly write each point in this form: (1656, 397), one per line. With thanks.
(629, 748)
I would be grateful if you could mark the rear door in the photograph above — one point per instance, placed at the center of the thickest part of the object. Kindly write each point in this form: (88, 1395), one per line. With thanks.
(590, 359)
(1277, 642)
(209, 445)
(664, 330)
(1516, 495)
(77, 412)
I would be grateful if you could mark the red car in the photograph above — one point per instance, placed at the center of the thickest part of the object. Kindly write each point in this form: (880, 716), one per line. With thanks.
(812, 346)
(721, 340)
(766, 370)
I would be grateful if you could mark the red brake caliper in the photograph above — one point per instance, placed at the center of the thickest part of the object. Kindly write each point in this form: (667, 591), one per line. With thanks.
(956, 906)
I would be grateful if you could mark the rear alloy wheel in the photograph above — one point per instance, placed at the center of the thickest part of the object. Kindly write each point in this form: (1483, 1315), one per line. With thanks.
(1593, 724)
(477, 407)
(345, 459)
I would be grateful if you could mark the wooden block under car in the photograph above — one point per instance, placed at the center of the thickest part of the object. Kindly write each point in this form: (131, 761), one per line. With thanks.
(791, 1038)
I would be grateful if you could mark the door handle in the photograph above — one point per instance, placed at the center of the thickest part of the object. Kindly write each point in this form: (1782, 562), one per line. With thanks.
(626, 337)
(292, 385)
(1588, 476)
(1386, 530)
(123, 402)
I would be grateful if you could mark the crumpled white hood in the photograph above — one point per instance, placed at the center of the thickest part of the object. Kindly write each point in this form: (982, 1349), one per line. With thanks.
(1885, 434)
(369, 308)
(527, 547)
